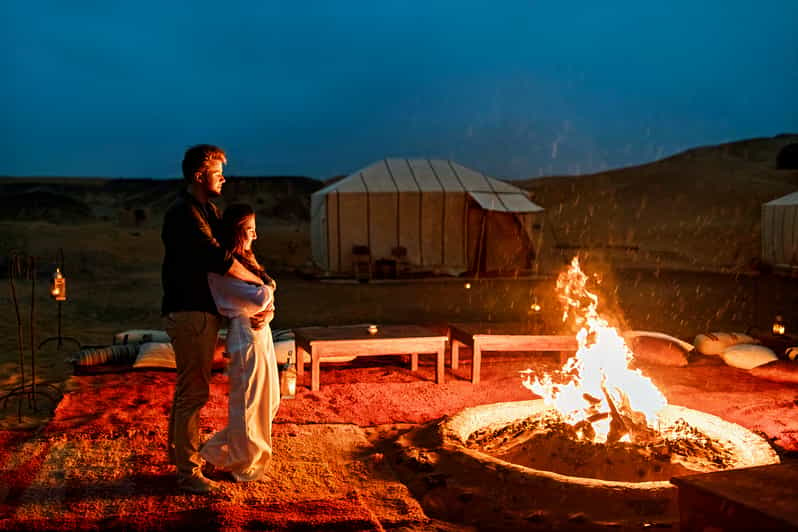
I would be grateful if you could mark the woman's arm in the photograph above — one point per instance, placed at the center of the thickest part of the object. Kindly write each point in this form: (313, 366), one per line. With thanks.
(234, 297)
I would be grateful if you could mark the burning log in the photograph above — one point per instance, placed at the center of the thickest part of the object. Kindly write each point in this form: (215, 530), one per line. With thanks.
(626, 421)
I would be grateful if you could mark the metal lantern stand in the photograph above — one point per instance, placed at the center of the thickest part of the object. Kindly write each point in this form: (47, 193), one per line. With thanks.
(60, 338)
(21, 266)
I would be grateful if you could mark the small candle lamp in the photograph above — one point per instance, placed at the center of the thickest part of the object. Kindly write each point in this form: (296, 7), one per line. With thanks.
(58, 286)
(778, 325)
(468, 286)
(372, 329)
(288, 378)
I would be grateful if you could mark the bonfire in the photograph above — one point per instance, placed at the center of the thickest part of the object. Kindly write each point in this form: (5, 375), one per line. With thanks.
(596, 391)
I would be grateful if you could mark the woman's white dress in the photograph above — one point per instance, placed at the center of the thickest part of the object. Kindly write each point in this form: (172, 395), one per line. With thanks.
(244, 447)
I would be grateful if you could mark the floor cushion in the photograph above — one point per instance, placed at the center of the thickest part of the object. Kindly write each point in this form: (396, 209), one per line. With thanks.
(658, 348)
(747, 356)
(714, 343)
(112, 354)
(139, 336)
(161, 355)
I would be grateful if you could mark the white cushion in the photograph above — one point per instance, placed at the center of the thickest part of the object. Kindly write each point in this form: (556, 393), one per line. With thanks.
(155, 355)
(138, 336)
(714, 343)
(747, 356)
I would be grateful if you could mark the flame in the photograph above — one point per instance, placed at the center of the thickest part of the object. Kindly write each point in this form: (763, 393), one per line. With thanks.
(599, 380)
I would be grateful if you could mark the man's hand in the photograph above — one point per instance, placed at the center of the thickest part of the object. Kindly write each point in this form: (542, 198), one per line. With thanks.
(259, 320)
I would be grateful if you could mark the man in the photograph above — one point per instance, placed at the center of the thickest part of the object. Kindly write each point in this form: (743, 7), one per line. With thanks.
(190, 315)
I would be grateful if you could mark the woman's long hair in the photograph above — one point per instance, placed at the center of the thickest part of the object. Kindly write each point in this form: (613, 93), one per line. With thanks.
(233, 237)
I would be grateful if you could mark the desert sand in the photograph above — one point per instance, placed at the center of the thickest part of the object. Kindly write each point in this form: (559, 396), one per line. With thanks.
(676, 243)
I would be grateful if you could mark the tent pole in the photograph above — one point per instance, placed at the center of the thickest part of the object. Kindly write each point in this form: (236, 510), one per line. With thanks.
(539, 243)
(480, 245)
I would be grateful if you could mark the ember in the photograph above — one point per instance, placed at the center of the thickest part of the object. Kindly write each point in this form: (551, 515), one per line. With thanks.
(548, 442)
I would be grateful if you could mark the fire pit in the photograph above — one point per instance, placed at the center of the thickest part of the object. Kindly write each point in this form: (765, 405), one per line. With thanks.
(599, 447)
(600, 482)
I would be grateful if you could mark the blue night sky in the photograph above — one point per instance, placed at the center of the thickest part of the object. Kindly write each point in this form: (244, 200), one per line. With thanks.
(320, 88)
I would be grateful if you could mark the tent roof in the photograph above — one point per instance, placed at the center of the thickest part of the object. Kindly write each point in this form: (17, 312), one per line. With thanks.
(789, 199)
(434, 175)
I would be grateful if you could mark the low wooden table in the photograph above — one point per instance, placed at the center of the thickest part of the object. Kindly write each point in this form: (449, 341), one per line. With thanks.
(323, 342)
(501, 337)
(753, 498)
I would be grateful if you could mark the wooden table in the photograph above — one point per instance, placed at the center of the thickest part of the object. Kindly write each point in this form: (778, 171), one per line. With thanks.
(753, 498)
(323, 342)
(502, 337)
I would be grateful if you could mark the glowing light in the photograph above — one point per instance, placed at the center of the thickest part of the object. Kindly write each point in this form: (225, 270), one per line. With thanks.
(599, 388)
(778, 326)
(58, 286)
(468, 286)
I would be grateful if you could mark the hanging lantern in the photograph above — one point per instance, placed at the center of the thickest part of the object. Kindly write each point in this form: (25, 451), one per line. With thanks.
(58, 286)
(778, 325)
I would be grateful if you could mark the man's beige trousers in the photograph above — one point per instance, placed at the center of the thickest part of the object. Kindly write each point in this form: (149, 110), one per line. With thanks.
(193, 336)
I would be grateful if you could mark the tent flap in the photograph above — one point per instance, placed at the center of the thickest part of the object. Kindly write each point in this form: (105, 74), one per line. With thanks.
(503, 202)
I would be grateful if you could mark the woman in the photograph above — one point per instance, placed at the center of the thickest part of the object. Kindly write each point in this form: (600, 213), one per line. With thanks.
(244, 447)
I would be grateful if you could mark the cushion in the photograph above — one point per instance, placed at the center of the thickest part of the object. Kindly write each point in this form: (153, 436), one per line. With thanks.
(155, 355)
(139, 336)
(747, 356)
(714, 343)
(162, 355)
(119, 354)
(658, 348)
(778, 371)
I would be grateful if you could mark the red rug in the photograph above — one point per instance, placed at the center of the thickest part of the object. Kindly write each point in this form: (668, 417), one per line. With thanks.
(100, 462)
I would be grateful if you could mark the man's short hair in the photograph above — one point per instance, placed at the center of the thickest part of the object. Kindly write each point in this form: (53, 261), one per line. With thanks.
(197, 159)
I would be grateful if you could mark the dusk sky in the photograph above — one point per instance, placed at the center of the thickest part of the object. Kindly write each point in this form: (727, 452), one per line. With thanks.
(321, 88)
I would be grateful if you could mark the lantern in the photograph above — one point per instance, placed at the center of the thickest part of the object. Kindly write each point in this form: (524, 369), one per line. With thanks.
(58, 286)
(778, 325)
(288, 378)
(468, 286)
(373, 329)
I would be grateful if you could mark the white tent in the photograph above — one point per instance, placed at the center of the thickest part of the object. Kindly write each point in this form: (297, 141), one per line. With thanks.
(442, 216)
(780, 231)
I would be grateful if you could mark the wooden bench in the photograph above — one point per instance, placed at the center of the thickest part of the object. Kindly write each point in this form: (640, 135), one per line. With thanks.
(752, 498)
(356, 340)
(501, 337)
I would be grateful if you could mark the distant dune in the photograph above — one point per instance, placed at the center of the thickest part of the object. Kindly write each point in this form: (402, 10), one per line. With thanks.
(76, 199)
(697, 209)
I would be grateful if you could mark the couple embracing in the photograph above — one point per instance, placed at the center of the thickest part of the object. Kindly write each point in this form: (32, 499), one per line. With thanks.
(210, 274)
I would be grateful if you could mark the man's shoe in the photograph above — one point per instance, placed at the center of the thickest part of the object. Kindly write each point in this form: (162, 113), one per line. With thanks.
(196, 484)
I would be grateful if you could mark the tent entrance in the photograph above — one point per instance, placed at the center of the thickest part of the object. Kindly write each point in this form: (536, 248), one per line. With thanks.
(499, 242)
